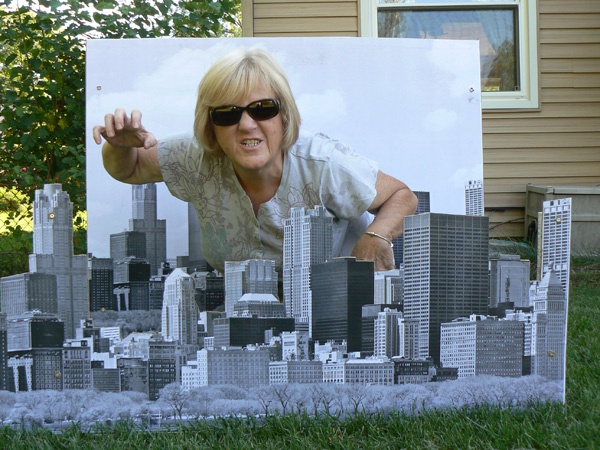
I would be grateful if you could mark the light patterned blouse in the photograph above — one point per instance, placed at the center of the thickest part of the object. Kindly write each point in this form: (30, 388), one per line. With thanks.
(316, 171)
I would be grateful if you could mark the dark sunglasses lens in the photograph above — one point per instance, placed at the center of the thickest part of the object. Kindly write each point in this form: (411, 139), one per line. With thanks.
(263, 109)
(226, 115)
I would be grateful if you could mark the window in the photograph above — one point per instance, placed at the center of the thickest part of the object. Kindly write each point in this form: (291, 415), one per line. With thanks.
(506, 31)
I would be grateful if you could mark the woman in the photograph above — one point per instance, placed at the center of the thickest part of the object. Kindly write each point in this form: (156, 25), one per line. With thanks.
(249, 164)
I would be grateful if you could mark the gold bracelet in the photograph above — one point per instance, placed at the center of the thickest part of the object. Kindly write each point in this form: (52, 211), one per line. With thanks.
(372, 233)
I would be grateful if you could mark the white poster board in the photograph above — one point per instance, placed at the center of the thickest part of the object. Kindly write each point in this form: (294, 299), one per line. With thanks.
(412, 105)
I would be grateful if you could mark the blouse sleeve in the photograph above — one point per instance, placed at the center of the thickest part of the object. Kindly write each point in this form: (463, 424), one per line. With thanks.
(348, 181)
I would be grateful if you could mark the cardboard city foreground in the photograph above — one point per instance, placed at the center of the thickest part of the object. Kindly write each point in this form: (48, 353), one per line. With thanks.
(449, 327)
(442, 316)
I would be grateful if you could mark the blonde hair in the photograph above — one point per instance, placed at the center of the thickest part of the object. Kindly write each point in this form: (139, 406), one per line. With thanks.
(235, 76)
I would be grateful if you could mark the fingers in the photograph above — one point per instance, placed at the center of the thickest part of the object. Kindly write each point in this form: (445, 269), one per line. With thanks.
(97, 134)
(384, 263)
(119, 121)
(150, 141)
(136, 119)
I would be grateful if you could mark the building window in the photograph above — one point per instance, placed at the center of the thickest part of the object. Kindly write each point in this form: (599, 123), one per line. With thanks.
(506, 31)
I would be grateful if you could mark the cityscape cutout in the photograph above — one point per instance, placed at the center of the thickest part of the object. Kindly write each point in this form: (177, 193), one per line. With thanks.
(449, 327)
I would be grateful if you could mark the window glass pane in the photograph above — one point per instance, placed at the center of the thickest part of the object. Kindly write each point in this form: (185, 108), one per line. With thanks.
(408, 2)
(495, 29)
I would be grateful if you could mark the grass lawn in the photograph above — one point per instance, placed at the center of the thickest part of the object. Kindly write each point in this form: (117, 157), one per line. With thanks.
(575, 425)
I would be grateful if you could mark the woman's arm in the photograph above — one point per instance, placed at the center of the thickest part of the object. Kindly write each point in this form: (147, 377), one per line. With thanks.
(130, 153)
(393, 201)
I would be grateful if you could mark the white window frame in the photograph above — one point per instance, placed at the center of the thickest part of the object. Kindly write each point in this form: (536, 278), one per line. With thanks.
(528, 96)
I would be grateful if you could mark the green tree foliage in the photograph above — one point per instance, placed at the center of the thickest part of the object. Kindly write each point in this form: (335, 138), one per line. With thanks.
(42, 99)
(42, 73)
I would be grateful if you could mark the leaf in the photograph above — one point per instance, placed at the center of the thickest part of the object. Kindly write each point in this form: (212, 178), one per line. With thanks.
(101, 6)
(10, 58)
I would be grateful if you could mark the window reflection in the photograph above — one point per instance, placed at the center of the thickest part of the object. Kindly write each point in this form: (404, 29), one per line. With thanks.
(495, 29)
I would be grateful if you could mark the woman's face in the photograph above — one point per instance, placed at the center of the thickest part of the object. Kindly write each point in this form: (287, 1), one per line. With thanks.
(254, 147)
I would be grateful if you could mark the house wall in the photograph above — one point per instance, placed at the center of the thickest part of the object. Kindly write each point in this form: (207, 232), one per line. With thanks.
(557, 144)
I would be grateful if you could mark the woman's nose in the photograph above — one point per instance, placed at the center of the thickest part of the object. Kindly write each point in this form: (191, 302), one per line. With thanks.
(246, 121)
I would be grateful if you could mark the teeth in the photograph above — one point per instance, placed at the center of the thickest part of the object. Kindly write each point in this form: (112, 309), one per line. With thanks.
(252, 142)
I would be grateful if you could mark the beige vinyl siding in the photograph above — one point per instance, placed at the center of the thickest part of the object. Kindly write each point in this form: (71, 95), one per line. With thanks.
(557, 144)
(305, 18)
(560, 143)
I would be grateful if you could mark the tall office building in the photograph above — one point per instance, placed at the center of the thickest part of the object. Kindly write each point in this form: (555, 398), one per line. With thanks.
(526, 318)
(340, 289)
(445, 273)
(549, 333)
(368, 317)
(53, 254)
(77, 365)
(180, 311)
(210, 290)
(424, 206)
(127, 244)
(101, 279)
(144, 219)
(27, 292)
(481, 345)
(3, 354)
(409, 337)
(389, 288)
(307, 240)
(474, 198)
(556, 240)
(34, 346)
(509, 281)
(196, 261)
(253, 276)
(131, 284)
(387, 333)
(156, 286)
(165, 362)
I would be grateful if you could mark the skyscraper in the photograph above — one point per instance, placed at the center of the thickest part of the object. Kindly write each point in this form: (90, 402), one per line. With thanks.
(368, 316)
(180, 312)
(77, 365)
(3, 354)
(481, 345)
(389, 288)
(424, 206)
(144, 219)
(101, 278)
(307, 240)
(127, 244)
(28, 291)
(509, 281)
(165, 361)
(34, 344)
(253, 276)
(445, 273)
(131, 281)
(556, 240)
(340, 288)
(196, 261)
(53, 254)
(387, 333)
(549, 333)
(474, 198)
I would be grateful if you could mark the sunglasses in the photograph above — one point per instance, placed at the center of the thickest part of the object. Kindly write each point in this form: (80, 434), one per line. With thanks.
(226, 115)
